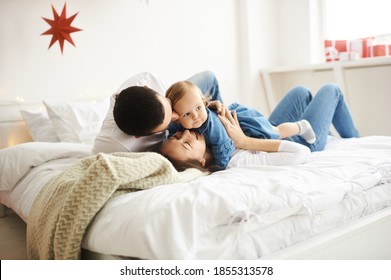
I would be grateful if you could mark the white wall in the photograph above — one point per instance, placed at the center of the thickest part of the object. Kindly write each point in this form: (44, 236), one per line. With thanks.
(172, 38)
(259, 38)
(276, 33)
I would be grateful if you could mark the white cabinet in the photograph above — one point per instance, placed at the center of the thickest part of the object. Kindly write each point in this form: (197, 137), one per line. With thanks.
(366, 84)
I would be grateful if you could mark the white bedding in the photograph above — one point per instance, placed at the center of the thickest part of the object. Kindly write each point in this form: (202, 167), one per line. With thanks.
(25, 168)
(240, 213)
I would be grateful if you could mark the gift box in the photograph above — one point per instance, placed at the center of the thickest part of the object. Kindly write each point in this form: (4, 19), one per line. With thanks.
(361, 46)
(333, 48)
(380, 46)
(380, 50)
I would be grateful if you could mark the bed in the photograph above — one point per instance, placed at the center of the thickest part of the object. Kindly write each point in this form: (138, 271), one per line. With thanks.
(335, 206)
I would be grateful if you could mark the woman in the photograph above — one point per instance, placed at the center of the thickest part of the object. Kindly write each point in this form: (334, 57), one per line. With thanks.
(325, 108)
(188, 149)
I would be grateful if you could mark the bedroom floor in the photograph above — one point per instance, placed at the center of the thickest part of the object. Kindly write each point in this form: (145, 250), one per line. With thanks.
(12, 237)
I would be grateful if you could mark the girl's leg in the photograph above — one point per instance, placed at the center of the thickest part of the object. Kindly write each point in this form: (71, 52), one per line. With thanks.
(329, 107)
(208, 84)
(290, 110)
(287, 129)
(302, 128)
(292, 106)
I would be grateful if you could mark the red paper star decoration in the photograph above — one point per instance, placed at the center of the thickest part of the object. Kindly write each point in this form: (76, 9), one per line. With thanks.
(61, 28)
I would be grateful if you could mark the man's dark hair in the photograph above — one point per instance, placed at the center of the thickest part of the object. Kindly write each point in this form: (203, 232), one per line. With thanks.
(138, 110)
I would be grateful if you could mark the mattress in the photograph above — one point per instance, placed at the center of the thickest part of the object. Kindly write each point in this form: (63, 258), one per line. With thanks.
(240, 213)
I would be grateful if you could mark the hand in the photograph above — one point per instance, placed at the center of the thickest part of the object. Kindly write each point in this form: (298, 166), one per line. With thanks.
(242, 141)
(219, 107)
(233, 129)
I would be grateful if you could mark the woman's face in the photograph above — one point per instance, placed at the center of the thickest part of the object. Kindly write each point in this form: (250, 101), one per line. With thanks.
(184, 146)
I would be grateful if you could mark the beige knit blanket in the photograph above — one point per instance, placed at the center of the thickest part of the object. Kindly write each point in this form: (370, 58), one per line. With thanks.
(65, 206)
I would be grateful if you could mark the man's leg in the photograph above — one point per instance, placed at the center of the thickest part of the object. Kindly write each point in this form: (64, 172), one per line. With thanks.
(208, 84)
(292, 106)
(291, 109)
(329, 106)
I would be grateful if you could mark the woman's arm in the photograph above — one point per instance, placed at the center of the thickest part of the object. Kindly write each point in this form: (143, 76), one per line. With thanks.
(279, 152)
(289, 153)
(242, 141)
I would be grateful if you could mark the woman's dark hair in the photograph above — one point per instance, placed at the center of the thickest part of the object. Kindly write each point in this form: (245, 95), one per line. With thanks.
(138, 110)
(182, 165)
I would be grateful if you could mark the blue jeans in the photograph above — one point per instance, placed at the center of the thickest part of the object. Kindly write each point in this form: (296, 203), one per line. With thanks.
(325, 108)
(208, 84)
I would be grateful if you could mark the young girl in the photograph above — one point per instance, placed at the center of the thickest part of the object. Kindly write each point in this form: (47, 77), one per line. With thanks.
(187, 101)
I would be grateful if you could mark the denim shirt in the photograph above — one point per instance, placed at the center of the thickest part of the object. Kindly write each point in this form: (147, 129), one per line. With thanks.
(217, 139)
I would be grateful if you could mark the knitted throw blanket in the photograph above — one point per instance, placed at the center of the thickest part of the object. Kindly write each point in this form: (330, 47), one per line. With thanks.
(65, 206)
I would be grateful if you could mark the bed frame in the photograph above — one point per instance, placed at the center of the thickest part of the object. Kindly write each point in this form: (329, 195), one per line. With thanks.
(367, 238)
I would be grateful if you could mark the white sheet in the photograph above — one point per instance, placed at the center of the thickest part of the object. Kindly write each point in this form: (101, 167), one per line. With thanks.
(241, 213)
(248, 212)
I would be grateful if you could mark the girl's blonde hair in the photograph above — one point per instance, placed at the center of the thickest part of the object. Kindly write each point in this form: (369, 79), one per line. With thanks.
(176, 91)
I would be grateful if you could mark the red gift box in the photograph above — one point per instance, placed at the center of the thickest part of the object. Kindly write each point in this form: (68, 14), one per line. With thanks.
(381, 50)
(333, 48)
(361, 46)
(339, 45)
(380, 46)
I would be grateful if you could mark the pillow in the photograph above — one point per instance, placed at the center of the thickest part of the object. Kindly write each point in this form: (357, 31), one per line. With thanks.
(40, 126)
(77, 122)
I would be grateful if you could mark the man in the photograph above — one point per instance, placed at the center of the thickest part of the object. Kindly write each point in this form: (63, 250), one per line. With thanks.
(139, 113)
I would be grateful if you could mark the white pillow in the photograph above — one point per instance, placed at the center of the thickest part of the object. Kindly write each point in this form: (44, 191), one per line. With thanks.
(40, 126)
(77, 122)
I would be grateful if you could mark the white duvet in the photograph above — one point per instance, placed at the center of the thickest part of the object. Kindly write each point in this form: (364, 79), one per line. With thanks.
(240, 213)
(25, 168)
